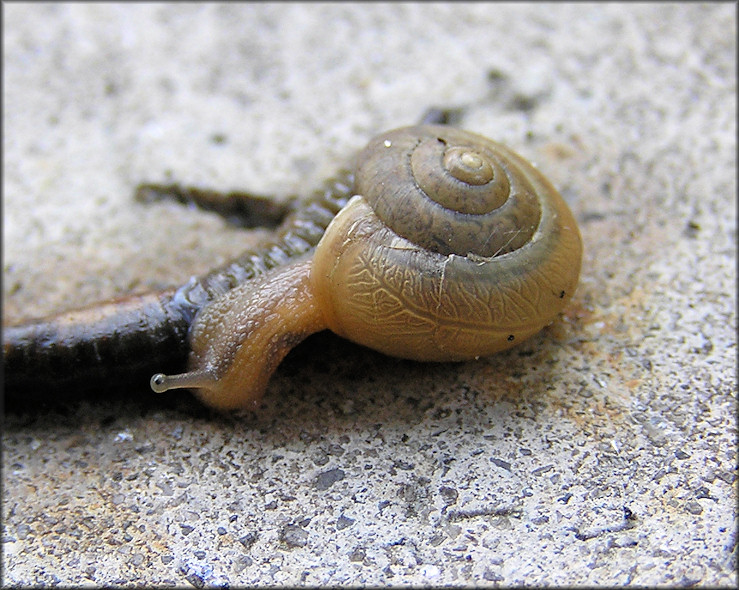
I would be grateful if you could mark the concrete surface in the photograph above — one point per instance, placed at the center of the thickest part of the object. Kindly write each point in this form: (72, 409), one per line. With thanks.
(600, 452)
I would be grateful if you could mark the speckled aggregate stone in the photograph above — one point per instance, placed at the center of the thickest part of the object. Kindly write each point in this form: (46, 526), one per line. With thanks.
(600, 452)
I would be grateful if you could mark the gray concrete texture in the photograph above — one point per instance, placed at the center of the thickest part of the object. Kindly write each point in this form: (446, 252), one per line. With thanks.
(600, 452)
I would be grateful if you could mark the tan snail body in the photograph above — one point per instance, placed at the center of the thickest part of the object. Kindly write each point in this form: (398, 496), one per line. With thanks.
(454, 247)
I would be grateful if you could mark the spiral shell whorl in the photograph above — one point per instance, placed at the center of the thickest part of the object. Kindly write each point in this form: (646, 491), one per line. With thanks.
(450, 191)
(387, 281)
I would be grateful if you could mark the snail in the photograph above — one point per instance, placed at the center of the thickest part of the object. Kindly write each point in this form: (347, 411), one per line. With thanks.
(439, 245)
(451, 247)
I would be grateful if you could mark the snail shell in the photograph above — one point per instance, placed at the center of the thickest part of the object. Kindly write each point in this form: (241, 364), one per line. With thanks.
(454, 247)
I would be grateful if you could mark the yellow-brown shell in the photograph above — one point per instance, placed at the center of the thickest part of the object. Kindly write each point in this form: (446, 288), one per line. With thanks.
(456, 247)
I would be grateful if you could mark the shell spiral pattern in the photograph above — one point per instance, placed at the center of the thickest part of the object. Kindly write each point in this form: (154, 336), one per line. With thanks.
(466, 249)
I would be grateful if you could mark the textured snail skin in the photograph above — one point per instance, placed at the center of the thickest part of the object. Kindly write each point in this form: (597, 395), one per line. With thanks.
(454, 247)
(239, 339)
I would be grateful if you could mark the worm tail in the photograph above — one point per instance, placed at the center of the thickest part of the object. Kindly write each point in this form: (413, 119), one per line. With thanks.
(298, 234)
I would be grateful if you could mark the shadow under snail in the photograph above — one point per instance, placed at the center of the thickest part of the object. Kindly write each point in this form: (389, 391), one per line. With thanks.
(440, 245)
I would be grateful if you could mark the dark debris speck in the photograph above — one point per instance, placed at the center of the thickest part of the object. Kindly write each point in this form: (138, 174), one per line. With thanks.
(542, 470)
(195, 580)
(344, 522)
(248, 540)
(294, 536)
(500, 463)
(403, 465)
(449, 495)
(328, 478)
(491, 576)
(694, 508)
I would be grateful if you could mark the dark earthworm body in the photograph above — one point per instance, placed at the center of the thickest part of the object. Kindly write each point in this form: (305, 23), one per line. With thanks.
(121, 343)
